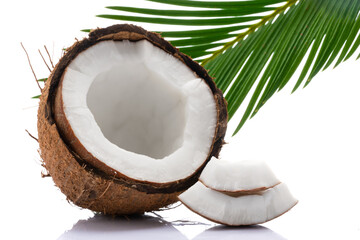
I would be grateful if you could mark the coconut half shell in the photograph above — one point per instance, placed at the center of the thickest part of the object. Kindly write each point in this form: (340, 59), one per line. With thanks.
(86, 181)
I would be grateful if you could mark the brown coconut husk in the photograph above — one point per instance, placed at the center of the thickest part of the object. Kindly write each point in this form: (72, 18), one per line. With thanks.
(85, 180)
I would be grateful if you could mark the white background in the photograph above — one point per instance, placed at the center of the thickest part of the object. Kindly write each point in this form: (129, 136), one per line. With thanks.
(311, 139)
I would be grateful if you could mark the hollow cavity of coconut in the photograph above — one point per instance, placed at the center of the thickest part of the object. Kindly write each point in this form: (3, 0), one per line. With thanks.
(126, 122)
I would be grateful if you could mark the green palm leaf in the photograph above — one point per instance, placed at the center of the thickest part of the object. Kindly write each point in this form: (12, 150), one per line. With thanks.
(245, 46)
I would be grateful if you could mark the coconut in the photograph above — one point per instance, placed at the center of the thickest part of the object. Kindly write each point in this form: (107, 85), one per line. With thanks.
(240, 210)
(238, 177)
(238, 193)
(126, 122)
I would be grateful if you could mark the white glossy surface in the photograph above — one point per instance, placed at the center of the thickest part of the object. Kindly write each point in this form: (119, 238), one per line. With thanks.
(122, 228)
(310, 139)
(153, 227)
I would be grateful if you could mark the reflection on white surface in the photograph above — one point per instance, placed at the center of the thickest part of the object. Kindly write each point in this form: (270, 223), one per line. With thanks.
(139, 227)
(231, 233)
(148, 227)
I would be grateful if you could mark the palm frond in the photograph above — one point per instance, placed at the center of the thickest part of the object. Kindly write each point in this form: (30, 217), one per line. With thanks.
(247, 47)
(36, 97)
(222, 20)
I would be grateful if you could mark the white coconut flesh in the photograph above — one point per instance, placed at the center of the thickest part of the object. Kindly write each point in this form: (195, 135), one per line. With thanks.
(239, 176)
(139, 110)
(242, 210)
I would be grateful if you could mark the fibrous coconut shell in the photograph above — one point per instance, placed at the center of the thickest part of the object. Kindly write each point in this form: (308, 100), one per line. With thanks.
(74, 170)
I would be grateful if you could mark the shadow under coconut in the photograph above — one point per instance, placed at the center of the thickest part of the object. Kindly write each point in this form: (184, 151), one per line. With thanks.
(255, 232)
(130, 228)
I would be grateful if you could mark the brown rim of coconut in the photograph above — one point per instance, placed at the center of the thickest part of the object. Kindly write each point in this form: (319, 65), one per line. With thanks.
(54, 108)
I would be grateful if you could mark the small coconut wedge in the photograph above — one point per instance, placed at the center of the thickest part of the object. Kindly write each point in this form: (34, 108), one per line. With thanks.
(242, 210)
(238, 177)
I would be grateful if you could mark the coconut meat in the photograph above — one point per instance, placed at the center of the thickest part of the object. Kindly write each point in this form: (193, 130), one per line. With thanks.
(139, 110)
(242, 210)
(238, 176)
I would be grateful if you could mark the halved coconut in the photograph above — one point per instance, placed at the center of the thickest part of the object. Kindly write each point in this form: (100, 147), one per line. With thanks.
(242, 210)
(127, 122)
(238, 177)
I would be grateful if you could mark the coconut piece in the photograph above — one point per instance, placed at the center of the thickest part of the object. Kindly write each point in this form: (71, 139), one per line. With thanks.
(242, 210)
(127, 122)
(238, 177)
